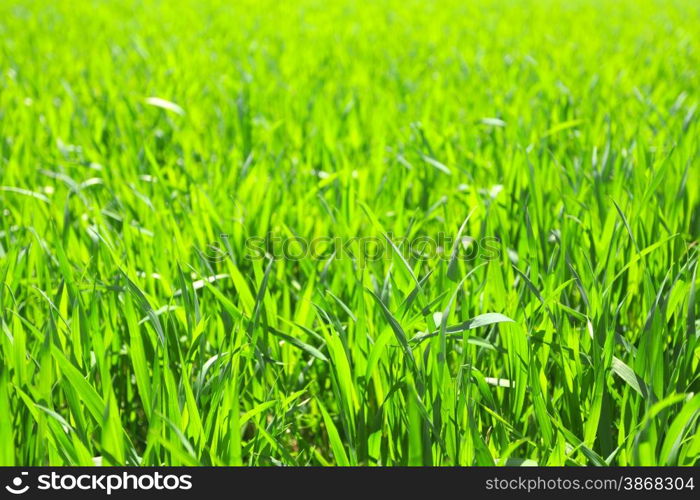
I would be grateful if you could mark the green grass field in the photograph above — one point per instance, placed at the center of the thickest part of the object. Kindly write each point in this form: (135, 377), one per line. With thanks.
(388, 232)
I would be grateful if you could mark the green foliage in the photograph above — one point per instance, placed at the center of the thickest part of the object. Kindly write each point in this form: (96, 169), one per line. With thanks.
(143, 145)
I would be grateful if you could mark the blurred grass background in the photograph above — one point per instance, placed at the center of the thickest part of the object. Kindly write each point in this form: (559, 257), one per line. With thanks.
(567, 129)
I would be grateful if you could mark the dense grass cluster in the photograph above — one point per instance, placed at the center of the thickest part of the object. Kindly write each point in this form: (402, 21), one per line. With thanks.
(144, 145)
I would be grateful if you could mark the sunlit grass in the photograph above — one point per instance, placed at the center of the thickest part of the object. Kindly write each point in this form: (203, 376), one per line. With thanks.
(144, 147)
